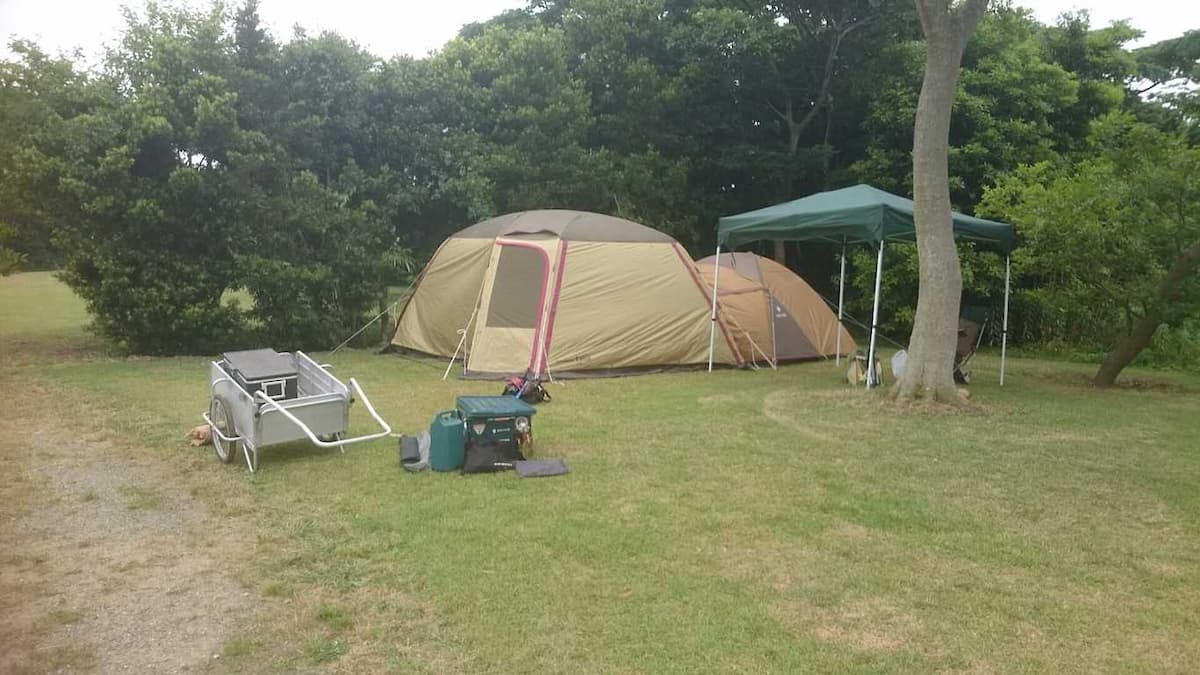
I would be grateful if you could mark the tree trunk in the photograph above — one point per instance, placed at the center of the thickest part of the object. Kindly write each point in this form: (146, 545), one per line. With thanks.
(781, 253)
(929, 371)
(1144, 328)
(1128, 349)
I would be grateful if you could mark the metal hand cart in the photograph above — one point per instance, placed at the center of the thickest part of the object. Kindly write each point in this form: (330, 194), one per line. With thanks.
(320, 412)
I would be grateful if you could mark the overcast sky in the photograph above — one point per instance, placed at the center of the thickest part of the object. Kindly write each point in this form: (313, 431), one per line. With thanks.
(418, 26)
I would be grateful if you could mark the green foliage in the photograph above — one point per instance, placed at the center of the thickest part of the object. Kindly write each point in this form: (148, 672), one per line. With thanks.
(207, 155)
(1100, 234)
(162, 201)
(36, 92)
(325, 264)
(1026, 94)
(983, 286)
(11, 261)
(1171, 99)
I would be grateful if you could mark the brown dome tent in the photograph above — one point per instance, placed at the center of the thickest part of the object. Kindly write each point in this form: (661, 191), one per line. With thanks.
(772, 313)
(564, 292)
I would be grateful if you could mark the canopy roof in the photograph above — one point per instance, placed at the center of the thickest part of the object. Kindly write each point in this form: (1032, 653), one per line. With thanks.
(854, 215)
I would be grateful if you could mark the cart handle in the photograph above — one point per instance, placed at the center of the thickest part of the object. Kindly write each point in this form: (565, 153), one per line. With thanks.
(265, 400)
(215, 430)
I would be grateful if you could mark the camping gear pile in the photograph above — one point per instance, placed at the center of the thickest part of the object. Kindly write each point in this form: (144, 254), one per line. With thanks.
(481, 434)
(860, 374)
(527, 388)
(262, 397)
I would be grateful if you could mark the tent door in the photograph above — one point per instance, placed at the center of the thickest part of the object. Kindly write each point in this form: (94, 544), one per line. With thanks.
(512, 309)
(790, 341)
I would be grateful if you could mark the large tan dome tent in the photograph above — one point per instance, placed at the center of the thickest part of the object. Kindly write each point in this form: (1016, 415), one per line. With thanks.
(564, 292)
(772, 313)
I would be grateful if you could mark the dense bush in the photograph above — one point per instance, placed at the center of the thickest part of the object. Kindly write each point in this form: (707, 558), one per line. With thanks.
(204, 157)
(11, 261)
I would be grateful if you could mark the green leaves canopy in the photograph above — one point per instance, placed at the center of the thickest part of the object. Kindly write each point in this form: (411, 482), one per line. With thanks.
(1102, 233)
(212, 185)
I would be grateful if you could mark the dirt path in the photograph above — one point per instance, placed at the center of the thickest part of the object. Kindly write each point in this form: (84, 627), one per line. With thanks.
(108, 560)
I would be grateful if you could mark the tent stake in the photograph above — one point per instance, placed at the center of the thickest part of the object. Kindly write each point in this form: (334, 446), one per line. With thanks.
(712, 327)
(871, 374)
(1004, 330)
(841, 296)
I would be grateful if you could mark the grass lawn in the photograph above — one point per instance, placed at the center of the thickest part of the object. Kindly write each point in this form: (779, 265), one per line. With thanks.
(771, 521)
(37, 305)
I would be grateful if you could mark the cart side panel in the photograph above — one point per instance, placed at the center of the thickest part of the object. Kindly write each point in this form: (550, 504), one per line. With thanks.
(313, 379)
(325, 414)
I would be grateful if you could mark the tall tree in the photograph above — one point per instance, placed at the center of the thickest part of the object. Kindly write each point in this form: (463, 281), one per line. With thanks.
(948, 25)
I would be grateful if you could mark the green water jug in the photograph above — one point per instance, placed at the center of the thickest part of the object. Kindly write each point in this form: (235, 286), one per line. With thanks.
(447, 442)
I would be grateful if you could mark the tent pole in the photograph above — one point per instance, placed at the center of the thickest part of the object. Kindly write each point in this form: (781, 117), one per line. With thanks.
(463, 341)
(1004, 330)
(712, 327)
(457, 349)
(841, 297)
(871, 374)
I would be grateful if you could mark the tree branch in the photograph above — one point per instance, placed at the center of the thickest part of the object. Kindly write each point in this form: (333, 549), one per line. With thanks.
(822, 98)
(931, 13)
(966, 17)
(785, 118)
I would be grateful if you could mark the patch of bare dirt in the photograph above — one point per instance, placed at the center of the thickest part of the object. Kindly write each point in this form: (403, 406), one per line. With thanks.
(109, 561)
(865, 624)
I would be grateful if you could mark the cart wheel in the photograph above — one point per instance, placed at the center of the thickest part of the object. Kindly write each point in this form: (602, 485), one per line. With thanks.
(222, 418)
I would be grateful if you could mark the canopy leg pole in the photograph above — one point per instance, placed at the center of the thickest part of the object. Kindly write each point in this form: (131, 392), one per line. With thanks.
(712, 327)
(774, 349)
(871, 374)
(1004, 330)
(841, 297)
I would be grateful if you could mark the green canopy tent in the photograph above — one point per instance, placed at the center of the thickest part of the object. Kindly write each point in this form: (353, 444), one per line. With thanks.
(860, 214)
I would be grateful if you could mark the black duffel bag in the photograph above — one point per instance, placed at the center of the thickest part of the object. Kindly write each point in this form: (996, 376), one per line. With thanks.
(489, 457)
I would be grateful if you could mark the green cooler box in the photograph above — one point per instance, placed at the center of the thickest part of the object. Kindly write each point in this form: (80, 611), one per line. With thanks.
(504, 420)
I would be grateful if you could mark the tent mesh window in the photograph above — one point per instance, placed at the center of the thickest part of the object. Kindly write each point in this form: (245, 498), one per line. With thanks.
(517, 287)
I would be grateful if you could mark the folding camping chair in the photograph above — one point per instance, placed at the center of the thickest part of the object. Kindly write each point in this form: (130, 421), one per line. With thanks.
(971, 323)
